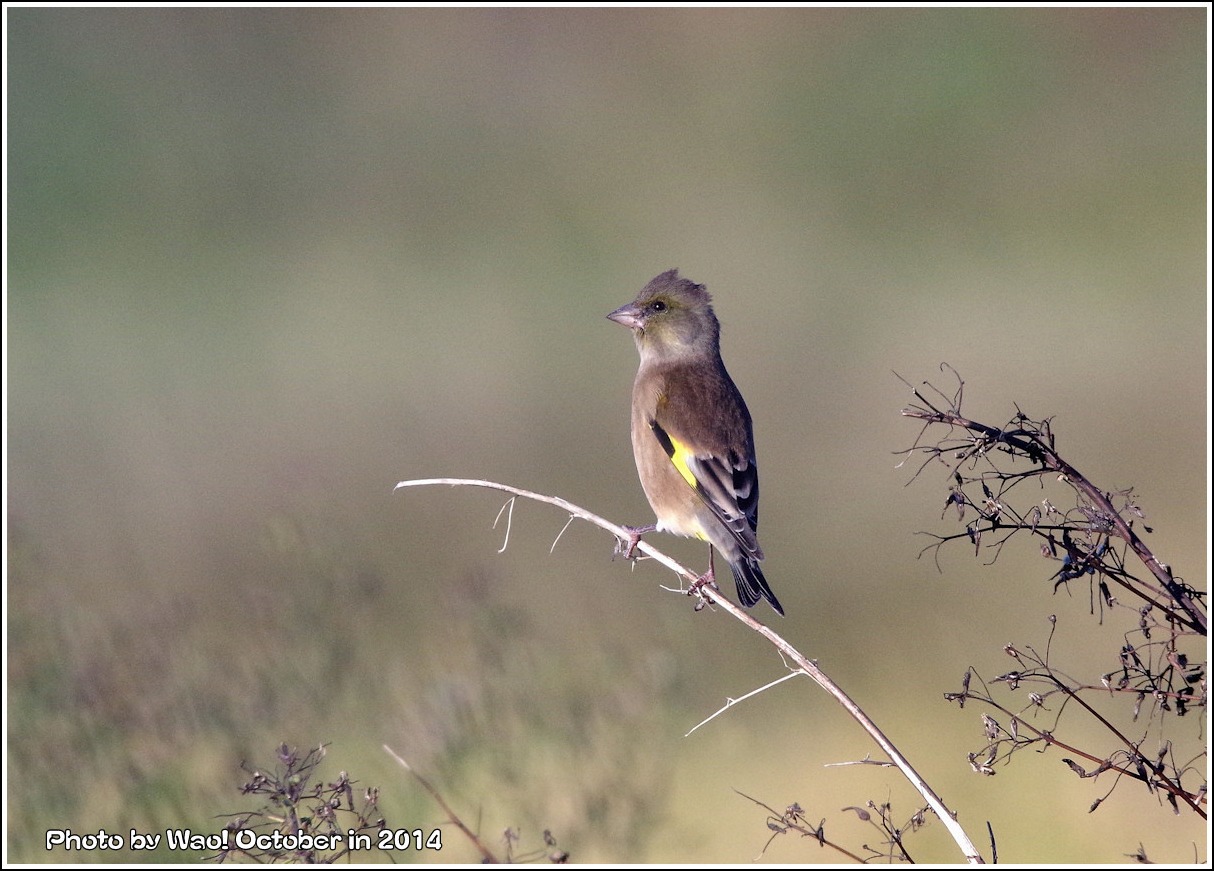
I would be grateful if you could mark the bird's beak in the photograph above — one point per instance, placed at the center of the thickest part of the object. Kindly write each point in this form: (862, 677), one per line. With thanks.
(628, 315)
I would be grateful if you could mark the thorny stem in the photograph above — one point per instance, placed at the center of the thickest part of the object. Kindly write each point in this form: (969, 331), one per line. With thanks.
(807, 666)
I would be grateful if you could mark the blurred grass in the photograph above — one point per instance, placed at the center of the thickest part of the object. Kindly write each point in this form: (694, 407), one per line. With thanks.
(263, 264)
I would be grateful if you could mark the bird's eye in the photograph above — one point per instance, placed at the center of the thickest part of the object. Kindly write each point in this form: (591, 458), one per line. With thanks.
(657, 306)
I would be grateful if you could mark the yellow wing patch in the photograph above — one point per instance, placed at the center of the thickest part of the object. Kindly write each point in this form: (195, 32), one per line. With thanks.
(679, 457)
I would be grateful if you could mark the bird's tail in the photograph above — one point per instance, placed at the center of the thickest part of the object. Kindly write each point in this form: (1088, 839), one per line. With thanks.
(752, 586)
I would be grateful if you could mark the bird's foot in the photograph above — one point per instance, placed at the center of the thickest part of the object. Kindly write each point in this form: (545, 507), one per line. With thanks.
(628, 548)
(708, 579)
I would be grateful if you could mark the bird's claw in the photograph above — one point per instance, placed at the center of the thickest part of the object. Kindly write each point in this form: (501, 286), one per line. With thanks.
(628, 548)
(707, 579)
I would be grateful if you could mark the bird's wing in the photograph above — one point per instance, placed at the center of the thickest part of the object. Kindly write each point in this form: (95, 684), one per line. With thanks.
(729, 485)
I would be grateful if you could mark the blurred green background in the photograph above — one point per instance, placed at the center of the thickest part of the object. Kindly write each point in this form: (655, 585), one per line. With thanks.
(264, 264)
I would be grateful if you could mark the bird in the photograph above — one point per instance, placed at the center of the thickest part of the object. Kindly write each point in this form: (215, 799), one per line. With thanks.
(692, 435)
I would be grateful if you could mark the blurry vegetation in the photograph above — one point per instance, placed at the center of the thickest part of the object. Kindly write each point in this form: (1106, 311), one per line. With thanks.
(265, 263)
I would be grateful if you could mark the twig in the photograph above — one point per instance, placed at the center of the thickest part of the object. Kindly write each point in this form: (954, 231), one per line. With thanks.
(729, 703)
(794, 818)
(865, 761)
(971, 853)
(452, 816)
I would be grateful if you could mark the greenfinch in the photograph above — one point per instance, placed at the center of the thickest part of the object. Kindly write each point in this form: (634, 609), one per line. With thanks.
(692, 436)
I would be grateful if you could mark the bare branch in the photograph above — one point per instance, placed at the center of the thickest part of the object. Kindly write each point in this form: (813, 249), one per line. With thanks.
(805, 665)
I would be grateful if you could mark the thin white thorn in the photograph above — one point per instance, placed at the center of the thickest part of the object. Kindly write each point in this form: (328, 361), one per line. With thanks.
(729, 703)
(867, 760)
(509, 518)
(397, 757)
(562, 532)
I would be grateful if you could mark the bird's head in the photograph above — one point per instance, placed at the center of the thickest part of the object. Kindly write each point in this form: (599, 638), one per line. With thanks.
(671, 318)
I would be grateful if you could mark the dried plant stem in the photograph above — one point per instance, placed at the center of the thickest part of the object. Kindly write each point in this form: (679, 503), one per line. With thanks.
(1028, 443)
(487, 856)
(805, 665)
